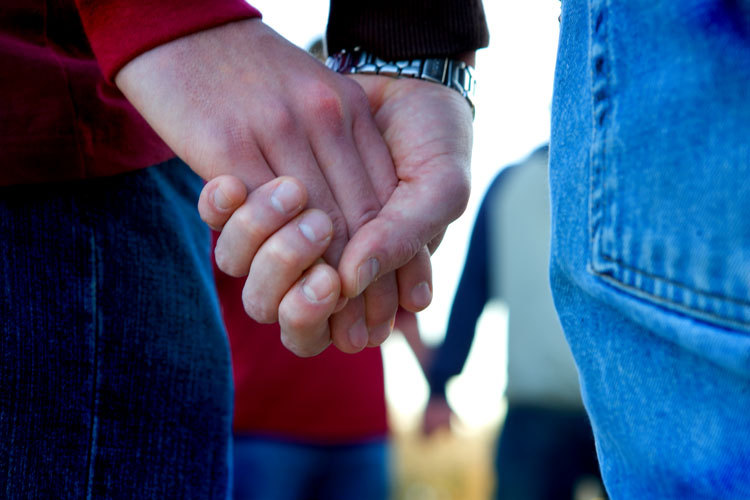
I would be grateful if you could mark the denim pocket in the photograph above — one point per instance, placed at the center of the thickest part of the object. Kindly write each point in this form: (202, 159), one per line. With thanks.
(670, 161)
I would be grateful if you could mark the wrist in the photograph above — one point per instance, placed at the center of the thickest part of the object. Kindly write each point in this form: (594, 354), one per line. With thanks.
(454, 73)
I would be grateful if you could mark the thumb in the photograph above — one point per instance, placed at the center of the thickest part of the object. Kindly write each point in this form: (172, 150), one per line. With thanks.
(416, 214)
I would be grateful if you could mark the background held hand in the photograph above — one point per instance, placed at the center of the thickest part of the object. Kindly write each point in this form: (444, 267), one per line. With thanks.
(437, 416)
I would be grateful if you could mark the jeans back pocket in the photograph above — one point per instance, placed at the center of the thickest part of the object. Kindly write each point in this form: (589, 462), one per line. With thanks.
(670, 160)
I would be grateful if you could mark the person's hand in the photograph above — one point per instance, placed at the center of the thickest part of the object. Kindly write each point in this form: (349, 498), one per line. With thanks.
(432, 162)
(240, 99)
(428, 129)
(437, 416)
(283, 249)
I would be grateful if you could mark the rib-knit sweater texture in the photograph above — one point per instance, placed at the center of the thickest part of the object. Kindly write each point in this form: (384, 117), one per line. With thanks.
(398, 29)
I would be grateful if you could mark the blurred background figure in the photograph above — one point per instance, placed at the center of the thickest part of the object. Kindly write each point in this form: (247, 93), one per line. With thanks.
(546, 447)
(303, 427)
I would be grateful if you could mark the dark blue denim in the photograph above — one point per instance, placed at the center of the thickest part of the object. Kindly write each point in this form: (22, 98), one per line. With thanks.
(278, 469)
(114, 367)
(650, 182)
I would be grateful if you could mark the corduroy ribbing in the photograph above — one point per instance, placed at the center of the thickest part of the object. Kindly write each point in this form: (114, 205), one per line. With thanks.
(402, 29)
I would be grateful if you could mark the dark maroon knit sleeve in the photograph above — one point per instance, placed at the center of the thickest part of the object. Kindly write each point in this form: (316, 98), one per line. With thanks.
(402, 29)
(120, 30)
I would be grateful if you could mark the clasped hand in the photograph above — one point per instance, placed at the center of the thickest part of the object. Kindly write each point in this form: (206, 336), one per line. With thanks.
(350, 179)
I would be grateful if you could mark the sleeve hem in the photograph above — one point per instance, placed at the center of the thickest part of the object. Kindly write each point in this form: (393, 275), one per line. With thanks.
(119, 30)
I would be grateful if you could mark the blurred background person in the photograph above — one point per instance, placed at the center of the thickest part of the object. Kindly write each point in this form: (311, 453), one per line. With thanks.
(304, 428)
(546, 447)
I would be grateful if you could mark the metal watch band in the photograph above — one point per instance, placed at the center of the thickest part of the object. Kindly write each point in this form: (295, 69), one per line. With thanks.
(456, 75)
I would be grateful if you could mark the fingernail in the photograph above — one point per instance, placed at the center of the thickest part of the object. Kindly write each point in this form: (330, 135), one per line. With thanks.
(316, 226)
(286, 197)
(421, 295)
(358, 335)
(366, 274)
(317, 286)
(221, 200)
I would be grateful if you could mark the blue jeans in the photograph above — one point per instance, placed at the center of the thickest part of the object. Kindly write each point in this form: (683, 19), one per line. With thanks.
(266, 468)
(650, 180)
(114, 367)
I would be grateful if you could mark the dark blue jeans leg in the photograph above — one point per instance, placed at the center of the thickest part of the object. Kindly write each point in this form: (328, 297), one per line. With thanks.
(114, 366)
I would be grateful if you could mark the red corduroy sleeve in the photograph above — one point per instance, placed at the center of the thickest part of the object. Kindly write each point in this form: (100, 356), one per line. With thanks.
(120, 30)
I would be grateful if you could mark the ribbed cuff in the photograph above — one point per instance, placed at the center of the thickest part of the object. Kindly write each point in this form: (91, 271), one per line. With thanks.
(120, 30)
(407, 29)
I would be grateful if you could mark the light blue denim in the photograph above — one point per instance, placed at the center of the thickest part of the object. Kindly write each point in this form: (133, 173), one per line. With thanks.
(650, 179)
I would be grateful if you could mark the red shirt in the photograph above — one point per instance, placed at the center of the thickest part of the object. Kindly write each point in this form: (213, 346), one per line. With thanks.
(330, 398)
(61, 118)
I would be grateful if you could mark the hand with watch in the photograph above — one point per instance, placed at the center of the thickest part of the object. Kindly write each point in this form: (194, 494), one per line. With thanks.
(427, 132)
(420, 107)
(453, 73)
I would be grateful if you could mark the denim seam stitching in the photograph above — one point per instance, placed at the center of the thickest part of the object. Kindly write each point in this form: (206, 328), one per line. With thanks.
(94, 263)
(667, 281)
(661, 300)
(601, 105)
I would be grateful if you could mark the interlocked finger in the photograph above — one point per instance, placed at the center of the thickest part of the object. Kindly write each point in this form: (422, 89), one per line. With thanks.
(266, 210)
(305, 310)
(415, 282)
(381, 305)
(282, 259)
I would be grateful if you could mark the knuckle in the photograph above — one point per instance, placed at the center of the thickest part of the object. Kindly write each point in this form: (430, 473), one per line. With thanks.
(295, 323)
(212, 219)
(327, 105)
(284, 256)
(257, 309)
(251, 227)
(301, 348)
(227, 261)
(223, 262)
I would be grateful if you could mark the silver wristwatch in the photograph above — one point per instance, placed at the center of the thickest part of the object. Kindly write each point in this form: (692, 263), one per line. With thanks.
(454, 74)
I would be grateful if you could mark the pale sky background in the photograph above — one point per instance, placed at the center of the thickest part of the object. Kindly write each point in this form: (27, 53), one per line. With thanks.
(512, 118)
